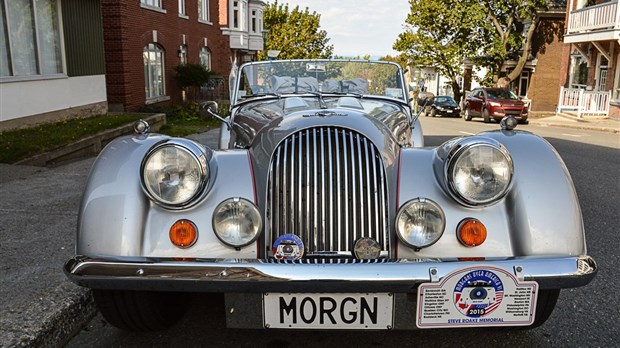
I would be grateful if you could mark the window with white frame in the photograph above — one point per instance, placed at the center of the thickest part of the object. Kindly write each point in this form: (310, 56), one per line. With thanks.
(239, 9)
(182, 7)
(205, 58)
(152, 3)
(183, 54)
(254, 21)
(203, 11)
(579, 71)
(154, 82)
(30, 38)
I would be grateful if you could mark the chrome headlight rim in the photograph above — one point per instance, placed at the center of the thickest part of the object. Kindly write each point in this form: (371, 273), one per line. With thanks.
(461, 147)
(405, 206)
(196, 153)
(249, 204)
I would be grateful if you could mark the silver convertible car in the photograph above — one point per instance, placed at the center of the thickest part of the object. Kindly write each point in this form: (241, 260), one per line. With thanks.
(321, 208)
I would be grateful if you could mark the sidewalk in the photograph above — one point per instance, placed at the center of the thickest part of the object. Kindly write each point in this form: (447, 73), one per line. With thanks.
(40, 307)
(598, 124)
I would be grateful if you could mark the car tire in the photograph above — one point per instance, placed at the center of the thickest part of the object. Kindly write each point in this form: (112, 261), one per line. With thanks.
(524, 122)
(466, 114)
(141, 310)
(485, 115)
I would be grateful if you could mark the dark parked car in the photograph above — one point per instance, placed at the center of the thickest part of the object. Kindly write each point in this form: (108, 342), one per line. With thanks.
(494, 103)
(444, 106)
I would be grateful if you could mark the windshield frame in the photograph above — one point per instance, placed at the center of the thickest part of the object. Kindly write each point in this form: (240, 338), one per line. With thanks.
(237, 100)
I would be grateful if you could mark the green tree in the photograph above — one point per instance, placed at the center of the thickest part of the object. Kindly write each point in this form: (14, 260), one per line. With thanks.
(441, 34)
(295, 33)
(508, 30)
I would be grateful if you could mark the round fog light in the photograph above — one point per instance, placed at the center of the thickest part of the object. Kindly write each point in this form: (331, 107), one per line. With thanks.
(420, 223)
(237, 222)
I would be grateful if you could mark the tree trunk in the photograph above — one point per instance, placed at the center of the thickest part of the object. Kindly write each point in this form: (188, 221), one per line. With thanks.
(516, 73)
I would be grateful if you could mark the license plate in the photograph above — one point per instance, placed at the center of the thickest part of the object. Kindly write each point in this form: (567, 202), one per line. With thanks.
(449, 111)
(477, 296)
(328, 311)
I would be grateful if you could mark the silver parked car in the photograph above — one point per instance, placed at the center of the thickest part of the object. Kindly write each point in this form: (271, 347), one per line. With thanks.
(322, 209)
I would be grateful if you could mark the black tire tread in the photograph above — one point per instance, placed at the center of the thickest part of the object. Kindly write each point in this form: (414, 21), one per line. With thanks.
(140, 310)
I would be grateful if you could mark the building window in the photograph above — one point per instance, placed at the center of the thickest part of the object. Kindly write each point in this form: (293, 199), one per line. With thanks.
(239, 14)
(205, 58)
(203, 10)
(182, 7)
(183, 54)
(154, 71)
(579, 72)
(254, 20)
(152, 3)
(30, 38)
(602, 73)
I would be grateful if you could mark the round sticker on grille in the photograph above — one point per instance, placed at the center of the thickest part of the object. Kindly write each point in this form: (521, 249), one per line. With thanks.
(288, 247)
(478, 293)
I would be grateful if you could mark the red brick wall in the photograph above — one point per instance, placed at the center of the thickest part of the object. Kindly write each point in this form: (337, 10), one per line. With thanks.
(128, 28)
(544, 89)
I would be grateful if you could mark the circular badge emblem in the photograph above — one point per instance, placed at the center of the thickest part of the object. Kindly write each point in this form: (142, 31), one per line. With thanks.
(366, 249)
(478, 293)
(288, 247)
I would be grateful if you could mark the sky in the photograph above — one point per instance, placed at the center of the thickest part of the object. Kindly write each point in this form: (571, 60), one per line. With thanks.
(357, 28)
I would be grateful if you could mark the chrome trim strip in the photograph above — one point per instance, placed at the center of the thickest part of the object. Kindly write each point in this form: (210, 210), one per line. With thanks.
(259, 276)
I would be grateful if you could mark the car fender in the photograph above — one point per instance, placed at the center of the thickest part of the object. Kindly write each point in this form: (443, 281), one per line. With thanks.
(116, 217)
(539, 216)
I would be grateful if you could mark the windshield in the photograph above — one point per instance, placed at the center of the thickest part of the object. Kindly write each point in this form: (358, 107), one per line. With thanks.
(320, 76)
(501, 94)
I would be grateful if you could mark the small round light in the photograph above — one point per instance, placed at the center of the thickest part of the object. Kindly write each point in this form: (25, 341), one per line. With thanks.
(479, 173)
(471, 232)
(237, 222)
(183, 233)
(175, 173)
(420, 223)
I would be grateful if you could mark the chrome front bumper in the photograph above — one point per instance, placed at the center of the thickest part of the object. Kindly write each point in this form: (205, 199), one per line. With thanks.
(210, 275)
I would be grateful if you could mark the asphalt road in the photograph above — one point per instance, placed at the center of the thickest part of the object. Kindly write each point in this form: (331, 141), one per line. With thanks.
(584, 317)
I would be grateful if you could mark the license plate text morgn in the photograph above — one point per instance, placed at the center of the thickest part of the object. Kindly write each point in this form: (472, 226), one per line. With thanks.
(328, 311)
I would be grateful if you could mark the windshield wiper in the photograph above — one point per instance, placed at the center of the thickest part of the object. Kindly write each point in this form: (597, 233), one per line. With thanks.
(322, 103)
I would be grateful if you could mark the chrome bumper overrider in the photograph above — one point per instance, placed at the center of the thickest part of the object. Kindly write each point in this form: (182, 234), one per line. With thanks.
(210, 275)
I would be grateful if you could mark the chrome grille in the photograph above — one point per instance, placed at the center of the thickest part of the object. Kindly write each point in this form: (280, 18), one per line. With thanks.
(327, 185)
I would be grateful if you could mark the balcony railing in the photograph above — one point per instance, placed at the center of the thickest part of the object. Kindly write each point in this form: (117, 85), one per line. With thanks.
(584, 102)
(597, 17)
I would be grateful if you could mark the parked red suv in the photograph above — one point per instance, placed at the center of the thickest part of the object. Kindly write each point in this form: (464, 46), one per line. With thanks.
(494, 103)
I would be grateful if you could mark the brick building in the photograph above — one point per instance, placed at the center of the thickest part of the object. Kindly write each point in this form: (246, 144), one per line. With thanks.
(146, 39)
(590, 71)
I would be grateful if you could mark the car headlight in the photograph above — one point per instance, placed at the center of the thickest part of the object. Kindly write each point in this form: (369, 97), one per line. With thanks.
(479, 172)
(420, 223)
(175, 173)
(237, 222)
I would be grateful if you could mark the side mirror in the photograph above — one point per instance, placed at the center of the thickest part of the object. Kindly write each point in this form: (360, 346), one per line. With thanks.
(213, 110)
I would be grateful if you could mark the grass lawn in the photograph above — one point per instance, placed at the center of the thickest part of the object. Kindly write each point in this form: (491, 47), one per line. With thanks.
(19, 144)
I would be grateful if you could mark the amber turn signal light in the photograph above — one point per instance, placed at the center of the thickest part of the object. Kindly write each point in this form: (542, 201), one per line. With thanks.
(183, 233)
(471, 232)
